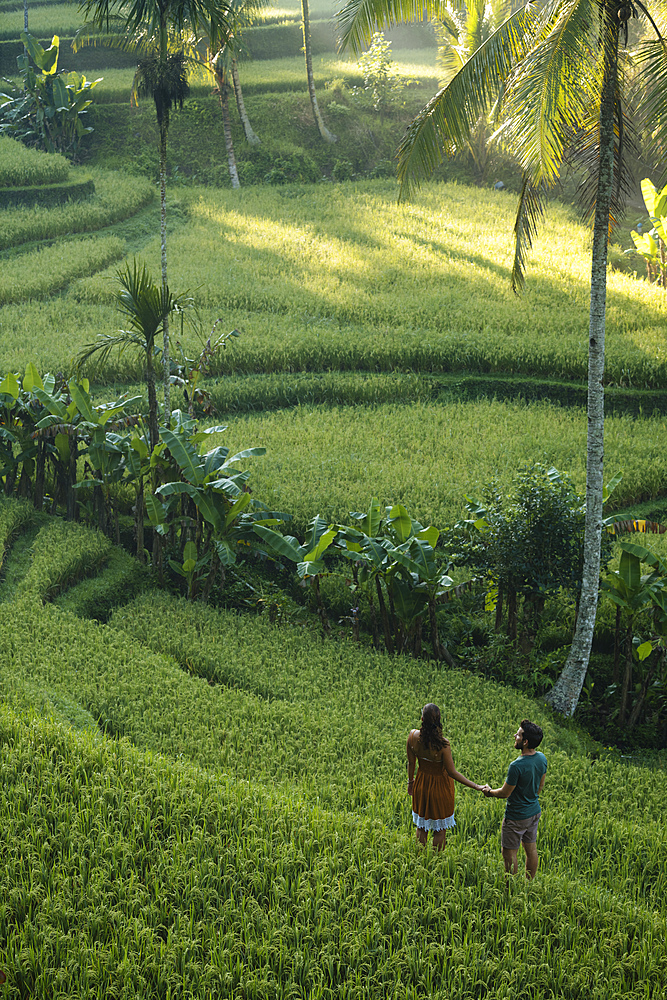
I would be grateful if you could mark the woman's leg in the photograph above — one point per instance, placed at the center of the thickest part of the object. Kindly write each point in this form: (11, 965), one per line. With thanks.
(439, 838)
(421, 837)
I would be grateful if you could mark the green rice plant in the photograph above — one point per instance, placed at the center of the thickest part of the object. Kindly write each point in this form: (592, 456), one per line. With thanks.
(45, 21)
(39, 273)
(116, 198)
(21, 167)
(62, 553)
(267, 392)
(429, 456)
(120, 580)
(190, 882)
(356, 281)
(15, 515)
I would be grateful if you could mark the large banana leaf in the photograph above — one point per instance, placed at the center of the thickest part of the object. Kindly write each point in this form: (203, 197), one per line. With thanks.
(408, 602)
(83, 402)
(204, 501)
(399, 521)
(32, 378)
(10, 386)
(282, 545)
(184, 455)
(323, 543)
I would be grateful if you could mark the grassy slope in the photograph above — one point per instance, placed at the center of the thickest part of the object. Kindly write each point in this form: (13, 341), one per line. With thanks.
(267, 850)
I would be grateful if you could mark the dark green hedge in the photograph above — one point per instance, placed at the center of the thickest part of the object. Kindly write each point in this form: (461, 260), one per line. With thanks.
(46, 195)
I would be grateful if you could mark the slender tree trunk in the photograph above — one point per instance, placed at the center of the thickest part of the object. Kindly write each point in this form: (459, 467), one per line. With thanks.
(305, 24)
(617, 646)
(164, 127)
(223, 94)
(153, 428)
(512, 614)
(627, 676)
(72, 507)
(139, 521)
(40, 469)
(565, 692)
(499, 608)
(250, 135)
(435, 638)
(388, 641)
(639, 704)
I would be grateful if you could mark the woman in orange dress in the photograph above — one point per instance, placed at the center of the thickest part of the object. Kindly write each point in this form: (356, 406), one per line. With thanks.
(432, 790)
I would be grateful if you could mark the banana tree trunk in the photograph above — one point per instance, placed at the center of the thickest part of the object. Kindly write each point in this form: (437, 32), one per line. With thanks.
(223, 94)
(139, 520)
(566, 691)
(250, 135)
(305, 24)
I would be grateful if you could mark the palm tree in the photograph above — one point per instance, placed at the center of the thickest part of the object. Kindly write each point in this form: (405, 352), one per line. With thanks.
(222, 61)
(159, 31)
(144, 305)
(307, 50)
(552, 74)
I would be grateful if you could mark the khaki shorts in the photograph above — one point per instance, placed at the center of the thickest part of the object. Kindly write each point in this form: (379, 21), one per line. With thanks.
(514, 832)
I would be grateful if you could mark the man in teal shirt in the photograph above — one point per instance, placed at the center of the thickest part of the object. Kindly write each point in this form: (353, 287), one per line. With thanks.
(524, 782)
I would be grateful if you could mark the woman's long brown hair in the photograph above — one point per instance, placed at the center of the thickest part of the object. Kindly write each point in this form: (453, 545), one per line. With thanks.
(430, 733)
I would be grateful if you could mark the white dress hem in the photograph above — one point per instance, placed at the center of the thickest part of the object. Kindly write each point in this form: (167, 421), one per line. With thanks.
(433, 824)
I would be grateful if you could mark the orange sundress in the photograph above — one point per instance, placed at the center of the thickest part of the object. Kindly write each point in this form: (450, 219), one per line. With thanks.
(433, 789)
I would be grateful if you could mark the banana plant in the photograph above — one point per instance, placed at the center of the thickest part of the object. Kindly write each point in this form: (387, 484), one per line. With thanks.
(635, 593)
(49, 106)
(308, 557)
(205, 505)
(651, 245)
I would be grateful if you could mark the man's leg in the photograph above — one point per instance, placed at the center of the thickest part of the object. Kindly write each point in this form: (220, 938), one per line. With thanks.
(509, 857)
(531, 859)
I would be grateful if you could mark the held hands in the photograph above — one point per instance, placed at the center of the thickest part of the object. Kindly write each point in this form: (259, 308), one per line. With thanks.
(486, 790)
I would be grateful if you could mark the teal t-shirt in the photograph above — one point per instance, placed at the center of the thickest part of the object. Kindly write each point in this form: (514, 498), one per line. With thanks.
(525, 773)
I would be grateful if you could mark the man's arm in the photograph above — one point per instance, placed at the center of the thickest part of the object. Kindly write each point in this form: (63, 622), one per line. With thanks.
(501, 793)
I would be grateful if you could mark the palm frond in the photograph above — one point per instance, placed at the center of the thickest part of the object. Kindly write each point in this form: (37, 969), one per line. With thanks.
(553, 89)
(652, 57)
(584, 153)
(359, 19)
(446, 123)
(529, 213)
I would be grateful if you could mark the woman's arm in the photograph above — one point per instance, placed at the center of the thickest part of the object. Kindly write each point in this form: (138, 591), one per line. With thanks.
(412, 760)
(448, 761)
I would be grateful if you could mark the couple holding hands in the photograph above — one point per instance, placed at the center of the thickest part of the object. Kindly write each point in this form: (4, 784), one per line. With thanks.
(432, 790)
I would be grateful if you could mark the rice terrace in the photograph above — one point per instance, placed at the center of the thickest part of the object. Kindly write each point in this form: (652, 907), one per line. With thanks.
(295, 445)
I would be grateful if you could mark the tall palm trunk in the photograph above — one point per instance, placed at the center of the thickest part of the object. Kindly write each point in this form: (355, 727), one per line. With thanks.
(250, 135)
(223, 94)
(164, 127)
(324, 131)
(565, 692)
